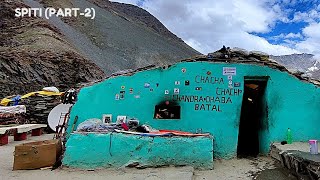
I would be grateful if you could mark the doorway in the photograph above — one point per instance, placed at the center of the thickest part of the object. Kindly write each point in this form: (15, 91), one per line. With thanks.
(252, 114)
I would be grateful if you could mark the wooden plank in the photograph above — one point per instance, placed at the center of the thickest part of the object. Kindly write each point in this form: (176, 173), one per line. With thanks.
(22, 128)
(28, 127)
(4, 130)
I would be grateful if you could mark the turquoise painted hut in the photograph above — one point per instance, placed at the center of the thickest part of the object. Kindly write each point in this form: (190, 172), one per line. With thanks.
(245, 102)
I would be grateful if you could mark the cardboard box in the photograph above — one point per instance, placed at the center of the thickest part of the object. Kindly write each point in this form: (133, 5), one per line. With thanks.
(36, 155)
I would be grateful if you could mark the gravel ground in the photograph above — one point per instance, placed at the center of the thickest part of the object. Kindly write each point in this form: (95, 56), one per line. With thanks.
(262, 168)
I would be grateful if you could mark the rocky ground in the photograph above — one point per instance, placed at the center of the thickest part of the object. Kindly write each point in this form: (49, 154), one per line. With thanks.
(262, 168)
(34, 54)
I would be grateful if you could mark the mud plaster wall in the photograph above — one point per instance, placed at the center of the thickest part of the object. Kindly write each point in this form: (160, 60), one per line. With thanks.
(289, 102)
(89, 151)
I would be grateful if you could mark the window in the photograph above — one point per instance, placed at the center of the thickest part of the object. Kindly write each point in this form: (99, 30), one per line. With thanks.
(167, 111)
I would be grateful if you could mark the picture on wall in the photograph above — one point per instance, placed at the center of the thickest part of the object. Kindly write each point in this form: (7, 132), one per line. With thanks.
(121, 119)
(107, 118)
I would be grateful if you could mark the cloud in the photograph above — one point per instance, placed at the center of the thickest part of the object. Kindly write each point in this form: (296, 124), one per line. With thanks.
(310, 17)
(206, 25)
(312, 42)
(284, 36)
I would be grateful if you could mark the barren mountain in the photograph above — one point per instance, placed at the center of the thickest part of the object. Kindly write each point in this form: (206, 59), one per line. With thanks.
(122, 36)
(64, 52)
(34, 54)
(304, 63)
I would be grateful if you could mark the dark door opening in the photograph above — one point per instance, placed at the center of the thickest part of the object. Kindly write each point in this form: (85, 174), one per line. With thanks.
(251, 118)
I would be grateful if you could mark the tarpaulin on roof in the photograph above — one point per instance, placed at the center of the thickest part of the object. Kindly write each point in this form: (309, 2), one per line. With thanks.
(6, 101)
(45, 93)
(51, 89)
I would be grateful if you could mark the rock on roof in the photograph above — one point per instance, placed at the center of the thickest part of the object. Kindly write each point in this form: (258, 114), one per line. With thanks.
(227, 55)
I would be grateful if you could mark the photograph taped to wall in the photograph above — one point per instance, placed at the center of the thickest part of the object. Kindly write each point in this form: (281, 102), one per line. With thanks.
(146, 85)
(117, 97)
(107, 118)
(121, 119)
(176, 90)
(122, 93)
(237, 84)
(137, 96)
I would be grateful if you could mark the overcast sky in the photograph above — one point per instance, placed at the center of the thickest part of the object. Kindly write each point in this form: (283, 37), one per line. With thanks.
(275, 26)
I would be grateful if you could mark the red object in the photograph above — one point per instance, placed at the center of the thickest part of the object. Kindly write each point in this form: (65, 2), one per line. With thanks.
(3, 139)
(124, 126)
(181, 133)
(36, 132)
(20, 136)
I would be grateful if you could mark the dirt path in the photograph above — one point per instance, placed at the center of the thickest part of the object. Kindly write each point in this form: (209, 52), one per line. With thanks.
(262, 168)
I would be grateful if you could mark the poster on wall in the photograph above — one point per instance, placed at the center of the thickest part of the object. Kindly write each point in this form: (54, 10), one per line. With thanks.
(122, 94)
(117, 97)
(176, 90)
(229, 71)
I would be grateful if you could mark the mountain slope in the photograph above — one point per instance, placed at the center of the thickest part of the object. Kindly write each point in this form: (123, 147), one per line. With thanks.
(123, 39)
(34, 54)
(138, 15)
(304, 63)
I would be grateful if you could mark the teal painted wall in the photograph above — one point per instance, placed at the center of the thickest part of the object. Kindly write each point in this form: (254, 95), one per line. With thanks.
(90, 151)
(290, 102)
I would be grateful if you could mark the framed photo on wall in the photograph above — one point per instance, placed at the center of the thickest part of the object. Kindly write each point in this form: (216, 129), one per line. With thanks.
(107, 118)
(121, 119)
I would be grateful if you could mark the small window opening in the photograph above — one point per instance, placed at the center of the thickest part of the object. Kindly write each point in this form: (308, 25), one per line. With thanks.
(167, 110)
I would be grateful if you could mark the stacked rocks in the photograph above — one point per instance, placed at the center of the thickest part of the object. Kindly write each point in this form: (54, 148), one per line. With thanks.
(12, 115)
(39, 107)
(6, 118)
